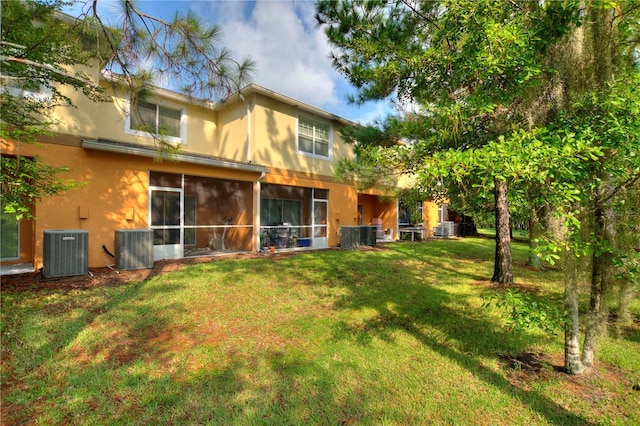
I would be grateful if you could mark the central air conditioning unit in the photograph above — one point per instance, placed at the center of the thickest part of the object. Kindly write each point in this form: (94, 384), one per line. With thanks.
(134, 249)
(357, 236)
(448, 228)
(65, 253)
(445, 229)
(368, 235)
(349, 237)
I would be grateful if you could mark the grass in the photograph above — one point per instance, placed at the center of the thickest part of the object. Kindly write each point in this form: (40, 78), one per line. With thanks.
(394, 336)
(516, 234)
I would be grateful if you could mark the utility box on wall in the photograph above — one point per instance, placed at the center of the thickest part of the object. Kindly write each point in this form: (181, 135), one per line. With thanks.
(65, 253)
(134, 249)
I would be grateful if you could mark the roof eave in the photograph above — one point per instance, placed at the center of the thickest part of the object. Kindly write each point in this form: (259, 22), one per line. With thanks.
(120, 148)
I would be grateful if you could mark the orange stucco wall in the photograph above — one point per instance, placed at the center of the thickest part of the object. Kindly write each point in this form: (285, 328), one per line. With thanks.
(376, 207)
(430, 213)
(113, 193)
(114, 187)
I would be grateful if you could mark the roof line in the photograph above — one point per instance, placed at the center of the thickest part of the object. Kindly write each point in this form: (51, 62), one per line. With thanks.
(238, 96)
(256, 88)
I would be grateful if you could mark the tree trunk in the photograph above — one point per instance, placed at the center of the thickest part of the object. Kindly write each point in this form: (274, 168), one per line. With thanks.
(572, 361)
(625, 296)
(604, 29)
(601, 277)
(569, 263)
(535, 231)
(503, 267)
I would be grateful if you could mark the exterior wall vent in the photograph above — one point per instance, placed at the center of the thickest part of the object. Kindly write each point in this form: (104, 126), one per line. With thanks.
(134, 249)
(65, 253)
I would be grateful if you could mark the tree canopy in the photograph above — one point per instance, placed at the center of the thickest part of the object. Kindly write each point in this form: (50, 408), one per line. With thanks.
(536, 102)
(470, 66)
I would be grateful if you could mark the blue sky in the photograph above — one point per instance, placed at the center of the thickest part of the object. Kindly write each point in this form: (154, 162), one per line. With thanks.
(291, 54)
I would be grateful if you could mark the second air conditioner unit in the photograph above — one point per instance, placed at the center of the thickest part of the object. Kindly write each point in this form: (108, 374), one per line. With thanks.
(134, 249)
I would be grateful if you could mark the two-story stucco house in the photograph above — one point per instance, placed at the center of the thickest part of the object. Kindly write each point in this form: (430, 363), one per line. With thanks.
(255, 171)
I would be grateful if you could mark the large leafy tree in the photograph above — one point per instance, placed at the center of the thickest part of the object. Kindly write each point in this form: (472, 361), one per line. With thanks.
(40, 45)
(471, 66)
(36, 50)
(537, 97)
(600, 75)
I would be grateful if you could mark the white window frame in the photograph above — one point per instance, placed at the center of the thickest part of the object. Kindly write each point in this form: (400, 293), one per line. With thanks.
(43, 94)
(158, 103)
(315, 121)
(11, 217)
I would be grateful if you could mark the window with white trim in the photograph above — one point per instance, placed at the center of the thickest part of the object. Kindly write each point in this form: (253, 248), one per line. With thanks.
(22, 87)
(151, 119)
(314, 137)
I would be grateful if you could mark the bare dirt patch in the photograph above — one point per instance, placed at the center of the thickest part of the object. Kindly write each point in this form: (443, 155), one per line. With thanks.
(105, 276)
(526, 369)
(34, 281)
(530, 288)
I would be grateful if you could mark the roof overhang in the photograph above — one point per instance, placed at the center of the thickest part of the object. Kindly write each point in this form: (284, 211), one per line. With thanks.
(161, 92)
(151, 152)
(257, 89)
(238, 96)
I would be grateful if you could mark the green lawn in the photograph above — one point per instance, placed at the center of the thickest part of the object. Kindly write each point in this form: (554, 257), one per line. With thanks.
(516, 234)
(395, 336)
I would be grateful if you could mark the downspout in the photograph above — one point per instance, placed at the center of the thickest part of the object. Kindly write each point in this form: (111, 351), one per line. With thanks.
(256, 235)
(397, 230)
(248, 139)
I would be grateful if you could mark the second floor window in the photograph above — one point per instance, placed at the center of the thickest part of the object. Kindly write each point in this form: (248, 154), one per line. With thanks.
(314, 137)
(150, 118)
(22, 87)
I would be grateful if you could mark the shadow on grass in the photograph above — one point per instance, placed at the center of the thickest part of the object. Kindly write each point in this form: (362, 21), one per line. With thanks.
(418, 307)
(71, 332)
(134, 376)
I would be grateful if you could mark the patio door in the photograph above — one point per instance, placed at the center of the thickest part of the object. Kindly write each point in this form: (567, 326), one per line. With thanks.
(166, 207)
(320, 215)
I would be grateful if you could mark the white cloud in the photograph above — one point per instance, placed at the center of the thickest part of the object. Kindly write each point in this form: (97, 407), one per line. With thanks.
(291, 54)
(280, 36)
(368, 114)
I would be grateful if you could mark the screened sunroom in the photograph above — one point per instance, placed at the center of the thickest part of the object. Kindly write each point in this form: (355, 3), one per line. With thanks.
(292, 217)
(195, 216)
